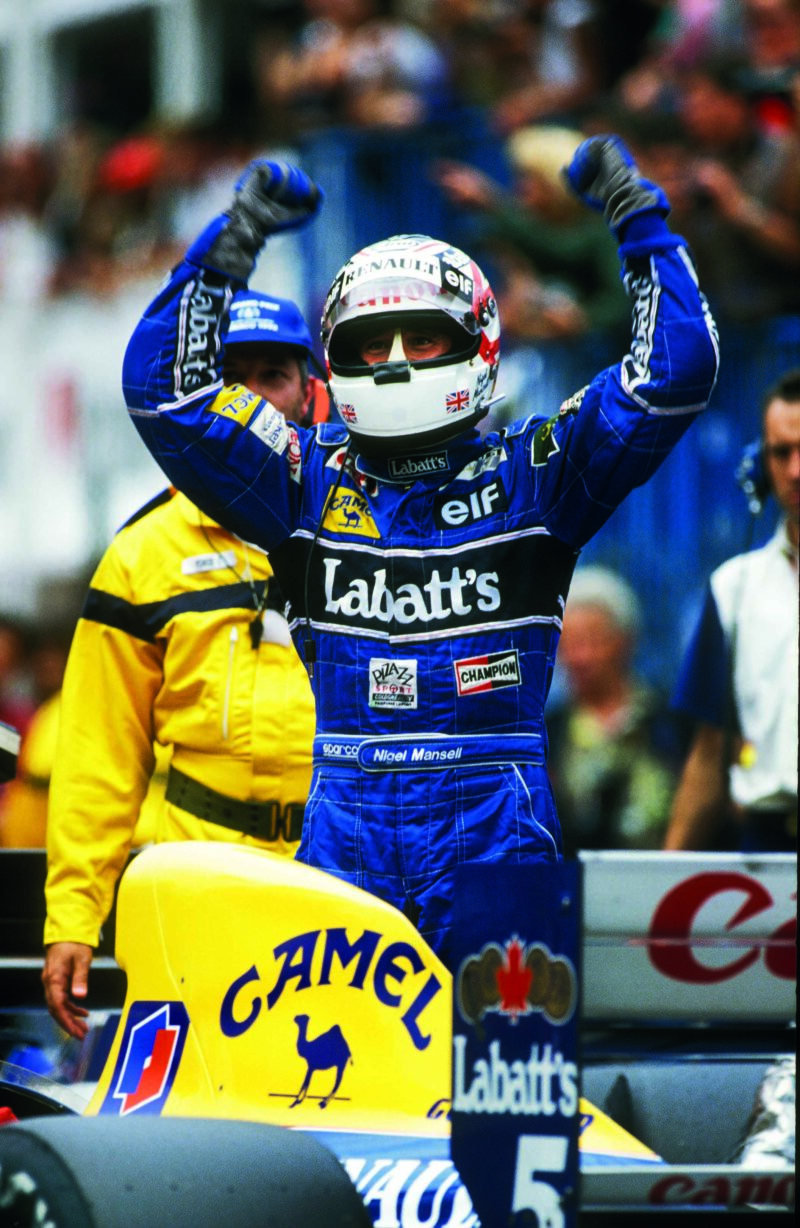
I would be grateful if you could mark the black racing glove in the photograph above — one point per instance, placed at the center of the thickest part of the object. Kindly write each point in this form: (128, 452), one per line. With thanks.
(605, 176)
(269, 197)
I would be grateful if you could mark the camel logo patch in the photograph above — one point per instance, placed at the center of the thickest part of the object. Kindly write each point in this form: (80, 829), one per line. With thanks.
(349, 512)
(327, 1051)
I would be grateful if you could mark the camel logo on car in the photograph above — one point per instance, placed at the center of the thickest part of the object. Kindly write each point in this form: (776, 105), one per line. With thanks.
(327, 1051)
(330, 957)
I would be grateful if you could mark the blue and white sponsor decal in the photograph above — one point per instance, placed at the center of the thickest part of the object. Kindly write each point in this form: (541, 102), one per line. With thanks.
(404, 1181)
(148, 1059)
(516, 1088)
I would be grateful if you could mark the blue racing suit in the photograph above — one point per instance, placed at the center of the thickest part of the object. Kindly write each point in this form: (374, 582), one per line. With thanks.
(426, 591)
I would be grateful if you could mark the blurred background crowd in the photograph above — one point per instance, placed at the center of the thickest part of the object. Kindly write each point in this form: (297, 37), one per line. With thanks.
(706, 91)
(449, 117)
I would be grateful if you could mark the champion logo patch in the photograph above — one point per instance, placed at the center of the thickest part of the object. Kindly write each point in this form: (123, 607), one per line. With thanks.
(474, 675)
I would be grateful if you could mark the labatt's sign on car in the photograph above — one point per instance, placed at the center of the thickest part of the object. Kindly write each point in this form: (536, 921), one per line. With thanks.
(515, 1113)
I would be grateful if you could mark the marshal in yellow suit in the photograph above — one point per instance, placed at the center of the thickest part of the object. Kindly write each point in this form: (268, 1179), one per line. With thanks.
(182, 651)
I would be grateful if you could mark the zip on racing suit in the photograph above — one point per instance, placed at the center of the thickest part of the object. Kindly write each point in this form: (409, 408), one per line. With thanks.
(427, 585)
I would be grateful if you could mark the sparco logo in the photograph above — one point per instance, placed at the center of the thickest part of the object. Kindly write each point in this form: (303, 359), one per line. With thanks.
(344, 750)
(496, 669)
(439, 599)
(198, 350)
(416, 466)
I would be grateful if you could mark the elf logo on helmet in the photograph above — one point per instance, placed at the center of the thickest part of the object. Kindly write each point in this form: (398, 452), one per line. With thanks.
(457, 280)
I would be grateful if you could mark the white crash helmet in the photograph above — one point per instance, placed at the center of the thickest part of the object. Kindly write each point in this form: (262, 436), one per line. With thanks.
(401, 406)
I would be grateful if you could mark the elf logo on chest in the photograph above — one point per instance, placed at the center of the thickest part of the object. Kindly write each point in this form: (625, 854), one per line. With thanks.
(450, 513)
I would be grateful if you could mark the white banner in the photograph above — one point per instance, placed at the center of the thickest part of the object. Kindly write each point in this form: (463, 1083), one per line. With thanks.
(689, 937)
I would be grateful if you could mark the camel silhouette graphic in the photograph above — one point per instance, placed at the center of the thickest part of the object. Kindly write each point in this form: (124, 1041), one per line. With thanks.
(328, 1051)
(352, 518)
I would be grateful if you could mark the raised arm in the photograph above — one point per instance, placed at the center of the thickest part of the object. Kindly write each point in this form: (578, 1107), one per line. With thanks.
(208, 438)
(613, 435)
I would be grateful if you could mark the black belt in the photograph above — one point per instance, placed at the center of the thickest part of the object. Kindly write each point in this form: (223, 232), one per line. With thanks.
(261, 820)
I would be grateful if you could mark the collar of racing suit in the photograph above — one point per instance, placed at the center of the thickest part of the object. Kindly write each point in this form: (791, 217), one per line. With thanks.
(431, 464)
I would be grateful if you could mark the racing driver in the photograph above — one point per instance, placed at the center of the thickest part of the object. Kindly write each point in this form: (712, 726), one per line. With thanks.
(426, 566)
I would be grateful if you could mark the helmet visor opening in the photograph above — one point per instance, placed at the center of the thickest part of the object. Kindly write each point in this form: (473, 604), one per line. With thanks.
(348, 339)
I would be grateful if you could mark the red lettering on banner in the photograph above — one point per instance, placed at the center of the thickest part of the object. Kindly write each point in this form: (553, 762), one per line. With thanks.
(670, 935)
(781, 959)
(719, 1191)
(670, 1189)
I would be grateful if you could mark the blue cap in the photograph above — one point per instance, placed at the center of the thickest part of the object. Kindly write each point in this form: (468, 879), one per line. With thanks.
(265, 317)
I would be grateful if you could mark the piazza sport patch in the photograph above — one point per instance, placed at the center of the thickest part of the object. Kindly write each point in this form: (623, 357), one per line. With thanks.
(487, 673)
(392, 683)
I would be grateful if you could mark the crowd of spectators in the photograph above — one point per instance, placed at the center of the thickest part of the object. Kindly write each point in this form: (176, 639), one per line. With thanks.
(706, 91)
(33, 656)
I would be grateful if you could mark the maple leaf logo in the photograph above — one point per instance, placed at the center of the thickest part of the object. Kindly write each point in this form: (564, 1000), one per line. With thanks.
(514, 981)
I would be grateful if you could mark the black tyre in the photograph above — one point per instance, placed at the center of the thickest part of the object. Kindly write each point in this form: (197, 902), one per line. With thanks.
(104, 1172)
